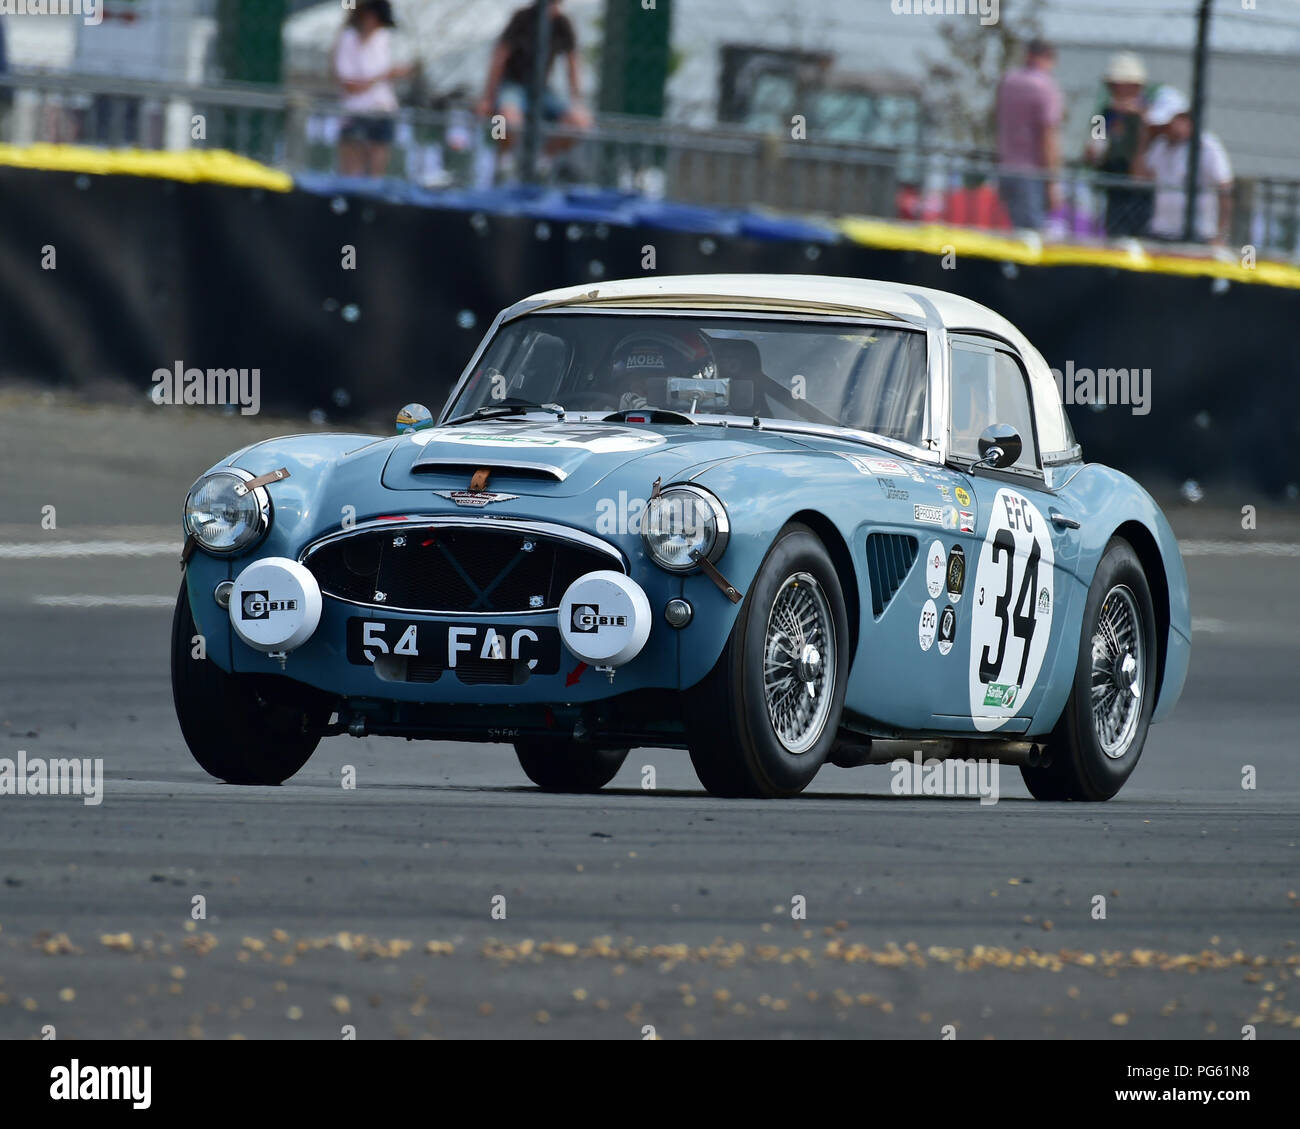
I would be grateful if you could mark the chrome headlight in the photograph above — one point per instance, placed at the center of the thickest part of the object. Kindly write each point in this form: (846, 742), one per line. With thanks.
(680, 521)
(223, 515)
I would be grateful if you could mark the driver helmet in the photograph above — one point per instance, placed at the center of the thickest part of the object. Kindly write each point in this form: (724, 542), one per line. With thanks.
(649, 354)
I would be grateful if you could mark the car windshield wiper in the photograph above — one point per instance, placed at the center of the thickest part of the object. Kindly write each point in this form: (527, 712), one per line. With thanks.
(511, 407)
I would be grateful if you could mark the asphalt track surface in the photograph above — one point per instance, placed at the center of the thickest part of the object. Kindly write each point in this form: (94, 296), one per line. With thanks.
(629, 914)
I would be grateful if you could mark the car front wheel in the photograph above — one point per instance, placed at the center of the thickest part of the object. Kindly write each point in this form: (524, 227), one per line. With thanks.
(241, 728)
(763, 721)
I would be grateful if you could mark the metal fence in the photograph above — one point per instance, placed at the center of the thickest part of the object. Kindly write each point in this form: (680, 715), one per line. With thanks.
(717, 167)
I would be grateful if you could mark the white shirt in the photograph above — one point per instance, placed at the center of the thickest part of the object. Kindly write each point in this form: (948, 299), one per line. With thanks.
(1168, 165)
(364, 60)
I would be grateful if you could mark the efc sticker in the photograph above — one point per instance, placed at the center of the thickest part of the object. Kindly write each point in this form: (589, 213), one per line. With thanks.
(930, 515)
(934, 566)
(1011, 616)
(947, 629)
(929, 622)
(963, 495)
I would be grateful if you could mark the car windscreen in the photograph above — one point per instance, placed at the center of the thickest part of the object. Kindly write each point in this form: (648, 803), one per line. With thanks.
(871, 378)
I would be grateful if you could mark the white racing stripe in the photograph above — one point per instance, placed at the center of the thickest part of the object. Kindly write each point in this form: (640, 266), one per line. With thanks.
(63, 550)
(92, 601)
(1239, 548)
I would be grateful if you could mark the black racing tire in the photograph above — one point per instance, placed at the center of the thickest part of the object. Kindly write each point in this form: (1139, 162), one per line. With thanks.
(241, 728)
(565, 765)
(730, 732)
(1077, 766)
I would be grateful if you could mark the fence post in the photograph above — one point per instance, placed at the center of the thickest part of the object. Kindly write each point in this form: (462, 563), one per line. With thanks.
(1198, 120)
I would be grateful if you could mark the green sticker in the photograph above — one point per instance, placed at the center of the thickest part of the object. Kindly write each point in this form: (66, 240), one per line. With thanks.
(1001, 694)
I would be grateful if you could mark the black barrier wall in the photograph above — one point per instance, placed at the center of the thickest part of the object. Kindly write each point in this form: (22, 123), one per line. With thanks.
(148, 273)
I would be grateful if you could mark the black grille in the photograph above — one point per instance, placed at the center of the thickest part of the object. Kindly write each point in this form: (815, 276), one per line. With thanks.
(453, 568)
(890, 557)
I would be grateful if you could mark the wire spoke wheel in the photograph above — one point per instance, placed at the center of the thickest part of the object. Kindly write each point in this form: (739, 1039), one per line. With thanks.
(1119, 663)
(799, 662)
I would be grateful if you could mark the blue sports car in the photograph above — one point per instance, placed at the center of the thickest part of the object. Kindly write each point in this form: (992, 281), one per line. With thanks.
(773, 520)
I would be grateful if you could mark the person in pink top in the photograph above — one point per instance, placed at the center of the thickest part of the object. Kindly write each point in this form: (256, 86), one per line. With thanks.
(364, 71)
(1029, 113)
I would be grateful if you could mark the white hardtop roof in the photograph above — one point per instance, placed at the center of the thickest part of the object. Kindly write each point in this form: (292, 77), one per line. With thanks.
(798, 293)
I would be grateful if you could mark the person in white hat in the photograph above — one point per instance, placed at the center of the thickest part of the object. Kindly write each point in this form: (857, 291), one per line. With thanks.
(1164, 160)
(1116, 140)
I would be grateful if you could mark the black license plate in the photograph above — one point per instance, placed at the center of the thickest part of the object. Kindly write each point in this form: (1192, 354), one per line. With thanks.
(447, 646)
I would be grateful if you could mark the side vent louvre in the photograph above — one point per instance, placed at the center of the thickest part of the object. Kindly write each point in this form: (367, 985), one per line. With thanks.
(890, 557)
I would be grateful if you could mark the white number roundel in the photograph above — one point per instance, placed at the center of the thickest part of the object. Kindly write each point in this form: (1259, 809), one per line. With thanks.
(1012, 601)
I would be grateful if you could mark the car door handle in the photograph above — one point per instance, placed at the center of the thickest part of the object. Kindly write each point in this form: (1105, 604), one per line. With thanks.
(1060, 519)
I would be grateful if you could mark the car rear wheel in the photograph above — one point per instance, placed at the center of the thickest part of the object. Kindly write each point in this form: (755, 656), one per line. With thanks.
(567, 765)
(241, 728)
(763, 721)
(1096, 744)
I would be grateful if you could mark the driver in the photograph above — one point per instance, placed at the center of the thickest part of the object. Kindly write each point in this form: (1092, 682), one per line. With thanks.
(657, 355)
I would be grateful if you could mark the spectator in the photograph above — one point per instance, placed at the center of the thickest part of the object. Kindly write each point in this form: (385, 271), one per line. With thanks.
(364, 70)
(1029, 112)
(512, 73)
(1164, 160)
(1128, 208)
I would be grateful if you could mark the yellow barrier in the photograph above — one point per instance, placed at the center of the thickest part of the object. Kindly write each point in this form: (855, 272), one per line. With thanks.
(215, 166)
(935, 239)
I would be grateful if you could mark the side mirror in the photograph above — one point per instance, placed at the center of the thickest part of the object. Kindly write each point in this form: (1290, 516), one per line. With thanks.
(1000, 446)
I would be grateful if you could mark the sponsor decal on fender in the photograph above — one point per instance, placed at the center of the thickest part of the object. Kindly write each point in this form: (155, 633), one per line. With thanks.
(934, 568)
(929, 515)
(963, 495)
(955, 575)
(1001, 694)
(947, 629)
(929, 623)
(1011, 612)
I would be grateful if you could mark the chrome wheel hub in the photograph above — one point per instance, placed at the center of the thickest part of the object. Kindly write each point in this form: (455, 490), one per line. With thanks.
(1118, 672)
(799, 662)
(809, 664)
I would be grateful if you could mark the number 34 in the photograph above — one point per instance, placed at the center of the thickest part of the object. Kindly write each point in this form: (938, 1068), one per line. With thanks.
(1021, 619)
